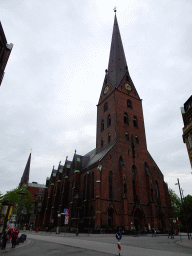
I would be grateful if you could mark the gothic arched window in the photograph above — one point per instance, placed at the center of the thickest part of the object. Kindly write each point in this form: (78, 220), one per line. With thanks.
(157, 192)
(135, 122)
(129, 104)
(105, 106)
(124, 187)
(147, 168)
(134, 184)
(102, 125)
(109, 137)
(92, 185)
(137, 139)
(110, 185)
(126, 120)
(109, 120)
(127, 136)
(84, 188)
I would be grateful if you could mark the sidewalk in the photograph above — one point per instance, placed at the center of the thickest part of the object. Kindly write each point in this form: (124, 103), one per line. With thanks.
(183, 239)
(9, 245)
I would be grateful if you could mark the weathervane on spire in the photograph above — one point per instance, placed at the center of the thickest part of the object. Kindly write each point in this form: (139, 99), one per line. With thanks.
(115, 9)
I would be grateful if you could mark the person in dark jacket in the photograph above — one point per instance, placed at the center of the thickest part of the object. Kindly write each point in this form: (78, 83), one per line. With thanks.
(5, 238)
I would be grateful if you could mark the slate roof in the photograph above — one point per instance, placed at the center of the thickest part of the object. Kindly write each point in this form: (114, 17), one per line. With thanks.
(25, 176)
(96, 157)
(117, 67)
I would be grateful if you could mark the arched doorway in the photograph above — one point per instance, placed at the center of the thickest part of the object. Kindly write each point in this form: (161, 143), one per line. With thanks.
(110, 217)
(138, 219)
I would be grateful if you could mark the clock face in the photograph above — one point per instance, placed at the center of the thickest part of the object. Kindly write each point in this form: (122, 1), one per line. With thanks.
(128, 87)
(106, 89)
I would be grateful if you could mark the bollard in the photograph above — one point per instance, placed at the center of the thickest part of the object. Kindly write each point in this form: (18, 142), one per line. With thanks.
(119, 247)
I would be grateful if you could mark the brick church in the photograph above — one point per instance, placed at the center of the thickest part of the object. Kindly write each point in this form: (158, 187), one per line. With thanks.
(117, 184)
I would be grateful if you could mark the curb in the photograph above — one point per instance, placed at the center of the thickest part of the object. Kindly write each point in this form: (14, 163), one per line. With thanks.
(21, 245)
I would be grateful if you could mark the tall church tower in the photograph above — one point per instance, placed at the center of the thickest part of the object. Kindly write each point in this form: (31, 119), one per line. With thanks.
(136, 185)
(119, 111)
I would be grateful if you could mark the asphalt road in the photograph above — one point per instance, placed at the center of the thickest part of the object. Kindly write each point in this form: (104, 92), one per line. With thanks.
(69, 244)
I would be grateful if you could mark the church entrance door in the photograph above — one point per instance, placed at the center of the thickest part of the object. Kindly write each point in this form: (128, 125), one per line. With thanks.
(110, 217)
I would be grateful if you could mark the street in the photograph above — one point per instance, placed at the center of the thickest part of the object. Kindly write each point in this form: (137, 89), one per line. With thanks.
(101, 244)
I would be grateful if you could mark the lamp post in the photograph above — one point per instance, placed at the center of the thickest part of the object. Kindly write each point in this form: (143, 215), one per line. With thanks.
(183, 205)
(77, 230)
(22, 194)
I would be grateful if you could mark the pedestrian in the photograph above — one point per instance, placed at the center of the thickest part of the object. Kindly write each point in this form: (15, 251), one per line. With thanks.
(14, 237)
(5, 237)
(172, 233)
(9, 232)
(154, 232)
(169, 233)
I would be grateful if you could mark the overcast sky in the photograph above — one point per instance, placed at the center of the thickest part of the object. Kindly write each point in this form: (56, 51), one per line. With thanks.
(55, 73)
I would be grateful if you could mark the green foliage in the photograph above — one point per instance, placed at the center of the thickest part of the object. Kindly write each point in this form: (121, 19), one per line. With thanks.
(25, 201)
(1, 199)
(184, 217)
(188, 211)
(175, 202)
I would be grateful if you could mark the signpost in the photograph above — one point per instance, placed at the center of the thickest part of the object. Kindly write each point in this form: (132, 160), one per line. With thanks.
(119, 236)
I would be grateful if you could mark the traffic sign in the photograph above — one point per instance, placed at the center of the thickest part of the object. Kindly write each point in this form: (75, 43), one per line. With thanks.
(118, 236)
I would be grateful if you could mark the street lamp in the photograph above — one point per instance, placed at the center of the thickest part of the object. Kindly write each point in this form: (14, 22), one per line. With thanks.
(22, 194)
(183, 205)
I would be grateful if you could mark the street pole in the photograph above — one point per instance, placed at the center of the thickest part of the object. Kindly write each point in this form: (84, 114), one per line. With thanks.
(183, 205)
(22, 193)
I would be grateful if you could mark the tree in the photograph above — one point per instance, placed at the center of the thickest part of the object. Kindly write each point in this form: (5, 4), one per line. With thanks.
(20, 201)
(186, 217)
(175, 202)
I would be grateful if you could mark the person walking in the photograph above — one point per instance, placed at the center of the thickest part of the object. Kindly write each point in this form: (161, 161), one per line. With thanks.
(172, 233)
(154, 232)
(5, 237)
(14, 237)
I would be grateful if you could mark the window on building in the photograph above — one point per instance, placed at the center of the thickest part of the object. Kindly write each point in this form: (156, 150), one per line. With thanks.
(157, 192)
(147, 168)
(109, 120)
(109, 137)
(136, 139)
(134, 185)
(110, 185)
(189, 141)
(127, 136)
(126, 120)
(124, 187)
(102, 142)
(129, 104)
(92, 185)
(135, 122)
(84, 187)
(102, 125)
(105, 106)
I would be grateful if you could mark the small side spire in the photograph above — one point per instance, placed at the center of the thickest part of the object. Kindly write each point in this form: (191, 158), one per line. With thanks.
(25, 177)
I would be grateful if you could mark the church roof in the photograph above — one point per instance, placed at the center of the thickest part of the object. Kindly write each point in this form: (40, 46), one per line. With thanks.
(96, 157)
(117, 66)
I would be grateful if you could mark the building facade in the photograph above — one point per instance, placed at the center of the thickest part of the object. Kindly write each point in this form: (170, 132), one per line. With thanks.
(117, 184)
(5, 50)
(187, 129)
